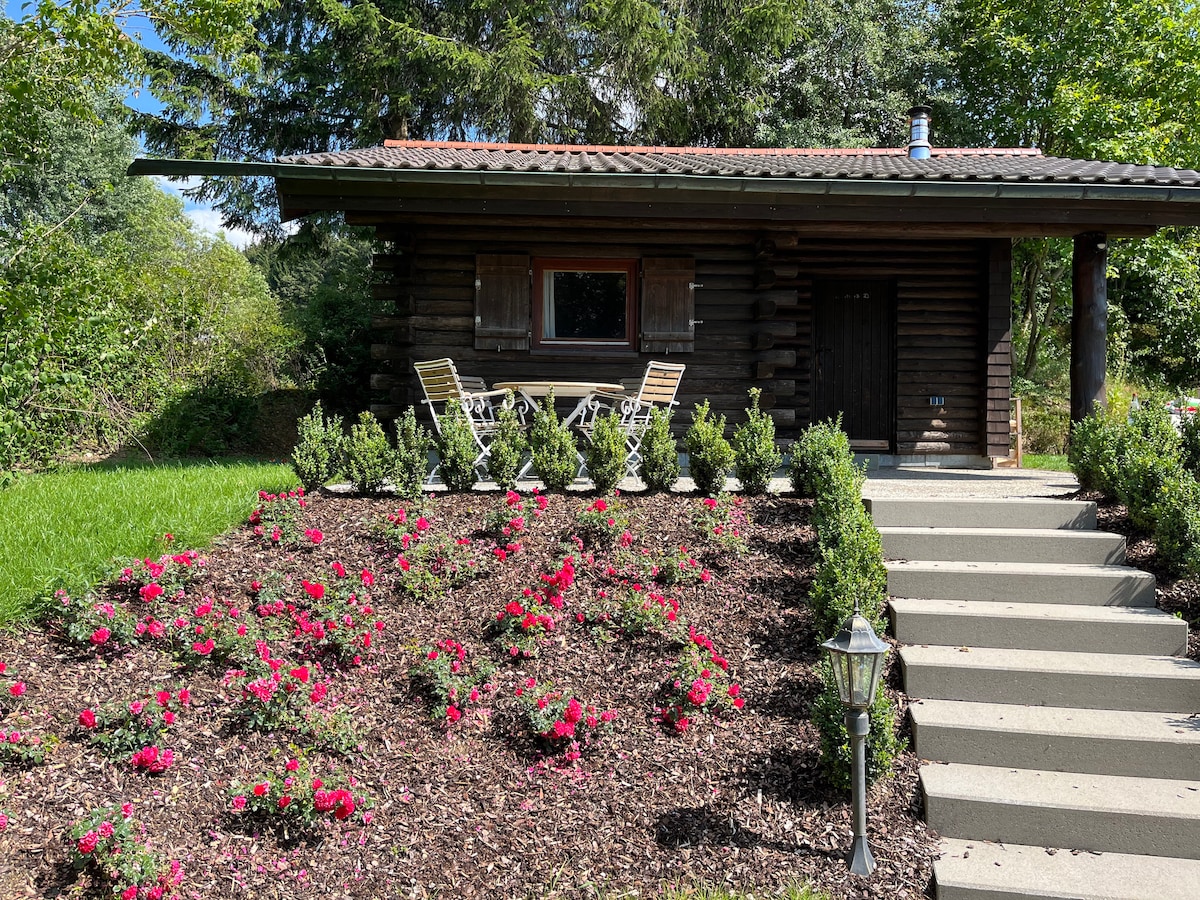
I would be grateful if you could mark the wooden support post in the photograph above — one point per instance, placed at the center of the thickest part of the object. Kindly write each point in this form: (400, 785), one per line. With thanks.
(1089, 323)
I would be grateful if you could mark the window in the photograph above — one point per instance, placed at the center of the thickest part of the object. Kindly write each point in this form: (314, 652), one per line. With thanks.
(584, 303)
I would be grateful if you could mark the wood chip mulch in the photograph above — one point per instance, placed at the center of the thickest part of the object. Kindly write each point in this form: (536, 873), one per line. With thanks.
(474, 810)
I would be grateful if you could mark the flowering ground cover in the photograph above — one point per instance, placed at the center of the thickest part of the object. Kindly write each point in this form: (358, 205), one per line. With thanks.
(474, 695)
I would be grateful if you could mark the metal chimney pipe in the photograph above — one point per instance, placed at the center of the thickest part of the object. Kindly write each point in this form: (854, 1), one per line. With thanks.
(919, 120)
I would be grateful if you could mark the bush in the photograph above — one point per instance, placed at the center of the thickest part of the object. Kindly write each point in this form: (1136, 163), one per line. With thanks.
(849, 568)
(1189, 444)
(754, 448)
(553, 447)
(1177, 532)
(1045, 428)
(1091, 452)
(317, 456)
(829, 717)
(659, 466)
(607, 452)
(1147, 455)
(507, 447)
(820, 447)
(709, 454)
(411, 461)
(370, 460)
(457, 449)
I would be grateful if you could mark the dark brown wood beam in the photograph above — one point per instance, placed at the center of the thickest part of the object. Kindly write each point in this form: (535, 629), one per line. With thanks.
(1089, 323)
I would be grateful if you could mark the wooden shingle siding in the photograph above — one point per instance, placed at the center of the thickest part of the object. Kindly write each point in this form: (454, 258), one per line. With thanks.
(998, 347)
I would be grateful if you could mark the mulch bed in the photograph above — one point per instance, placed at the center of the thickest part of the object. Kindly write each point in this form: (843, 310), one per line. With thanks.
(477, 809)
(1175, 594)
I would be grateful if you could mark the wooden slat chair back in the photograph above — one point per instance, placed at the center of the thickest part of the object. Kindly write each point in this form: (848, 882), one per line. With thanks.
(442, 385)
(657, 388)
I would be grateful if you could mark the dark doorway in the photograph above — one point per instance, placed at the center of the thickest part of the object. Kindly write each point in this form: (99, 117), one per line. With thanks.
(854, 359)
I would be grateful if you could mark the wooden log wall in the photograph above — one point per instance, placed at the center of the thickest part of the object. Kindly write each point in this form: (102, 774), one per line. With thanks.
(753, 301)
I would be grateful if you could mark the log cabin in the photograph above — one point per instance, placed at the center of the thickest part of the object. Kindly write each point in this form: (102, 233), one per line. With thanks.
(871, 283)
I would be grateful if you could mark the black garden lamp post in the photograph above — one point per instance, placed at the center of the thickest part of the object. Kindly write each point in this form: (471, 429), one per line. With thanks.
(856, 655)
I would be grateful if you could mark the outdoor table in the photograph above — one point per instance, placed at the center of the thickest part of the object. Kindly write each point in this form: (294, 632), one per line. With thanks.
(583, 391)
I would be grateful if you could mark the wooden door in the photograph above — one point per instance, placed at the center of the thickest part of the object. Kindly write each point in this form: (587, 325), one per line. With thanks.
(854, 359)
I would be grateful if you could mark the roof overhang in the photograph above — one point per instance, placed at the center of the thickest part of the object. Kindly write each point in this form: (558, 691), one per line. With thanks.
(946, 206)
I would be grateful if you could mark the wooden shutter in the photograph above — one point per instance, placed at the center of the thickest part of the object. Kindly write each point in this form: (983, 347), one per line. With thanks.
(501, 302)
(668, 305)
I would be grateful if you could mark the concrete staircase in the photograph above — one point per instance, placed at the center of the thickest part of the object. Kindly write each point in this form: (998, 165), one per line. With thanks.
(1054, 698)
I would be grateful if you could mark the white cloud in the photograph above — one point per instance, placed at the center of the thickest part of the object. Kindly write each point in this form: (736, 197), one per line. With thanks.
(210, 220)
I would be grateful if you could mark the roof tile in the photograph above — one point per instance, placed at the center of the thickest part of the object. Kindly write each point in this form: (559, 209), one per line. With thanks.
(947, 164)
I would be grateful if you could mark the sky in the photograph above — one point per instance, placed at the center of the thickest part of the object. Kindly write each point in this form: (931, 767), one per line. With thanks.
(205, 217)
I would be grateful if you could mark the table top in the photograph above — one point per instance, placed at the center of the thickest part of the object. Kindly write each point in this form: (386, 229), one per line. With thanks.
(569, 389)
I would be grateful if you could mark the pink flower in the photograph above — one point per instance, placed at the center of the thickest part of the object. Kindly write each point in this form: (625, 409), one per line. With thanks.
(17, 689)
(368, 579)
(239, 802)
(130, 893)
(169, 717)
(152, 591)
(105, 829)
(100, 636)
(136, 707)
(88, 842)
(339, 570)
(453, 714)
(87, 719)
(422, 524)
(314, 535)
(126, 810)
(300, 674)
(184, 696)
(284, 801)
(204, 649)
(292, 765)
(313, 589)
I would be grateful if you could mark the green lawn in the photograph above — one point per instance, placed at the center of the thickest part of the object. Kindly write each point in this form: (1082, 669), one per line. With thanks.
(1052, 462)
(65, 529)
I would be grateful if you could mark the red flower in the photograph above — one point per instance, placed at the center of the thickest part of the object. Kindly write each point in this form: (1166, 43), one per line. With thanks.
(367, 578)
(301, 674)
(292, 765)
(314, 589)
(284, 801)
(513, 608)
(163, 698)
(152, 591)
(87, 719)
(88, 842)
(100, 636)
(17, 689)
(314, 535)
(452, 713)
(184, 696)
(261, 789)
(130, 893)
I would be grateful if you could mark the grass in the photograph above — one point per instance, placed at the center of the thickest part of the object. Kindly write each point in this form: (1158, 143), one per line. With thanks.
(65, 529)
(1049, 461)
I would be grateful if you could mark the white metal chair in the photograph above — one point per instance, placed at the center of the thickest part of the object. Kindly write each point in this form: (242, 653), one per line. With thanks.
(443, 385)
(658, 388)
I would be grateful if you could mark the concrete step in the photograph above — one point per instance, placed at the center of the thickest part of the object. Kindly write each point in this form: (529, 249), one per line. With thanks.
(1036, 545)
(1038, 626)
(932, 512)
(1052, 678)
(1024, 582)
(981, 870)
(1099, 741)
(1107, 813)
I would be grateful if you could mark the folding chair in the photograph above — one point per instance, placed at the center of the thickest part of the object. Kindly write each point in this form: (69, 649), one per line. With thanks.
(657, 388)
(443, 385)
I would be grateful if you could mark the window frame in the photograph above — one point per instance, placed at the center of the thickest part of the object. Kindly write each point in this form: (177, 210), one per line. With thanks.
(600, 346)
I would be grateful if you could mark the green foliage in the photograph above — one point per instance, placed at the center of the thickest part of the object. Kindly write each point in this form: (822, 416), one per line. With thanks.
(1189, 444)
(322, 277)
(1146, 457)
(1092, 452)
(1177, 523)
(370, 461)
(413, 443)
(507, 448)
(457, 449)
(1046, 428)
(754, 448)
(317, 456)
(553, 447)
(710, 458)
(676, 74)
(829, 717)
(659, 465)
(606, 453)
(849, 569)
(821, 448)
